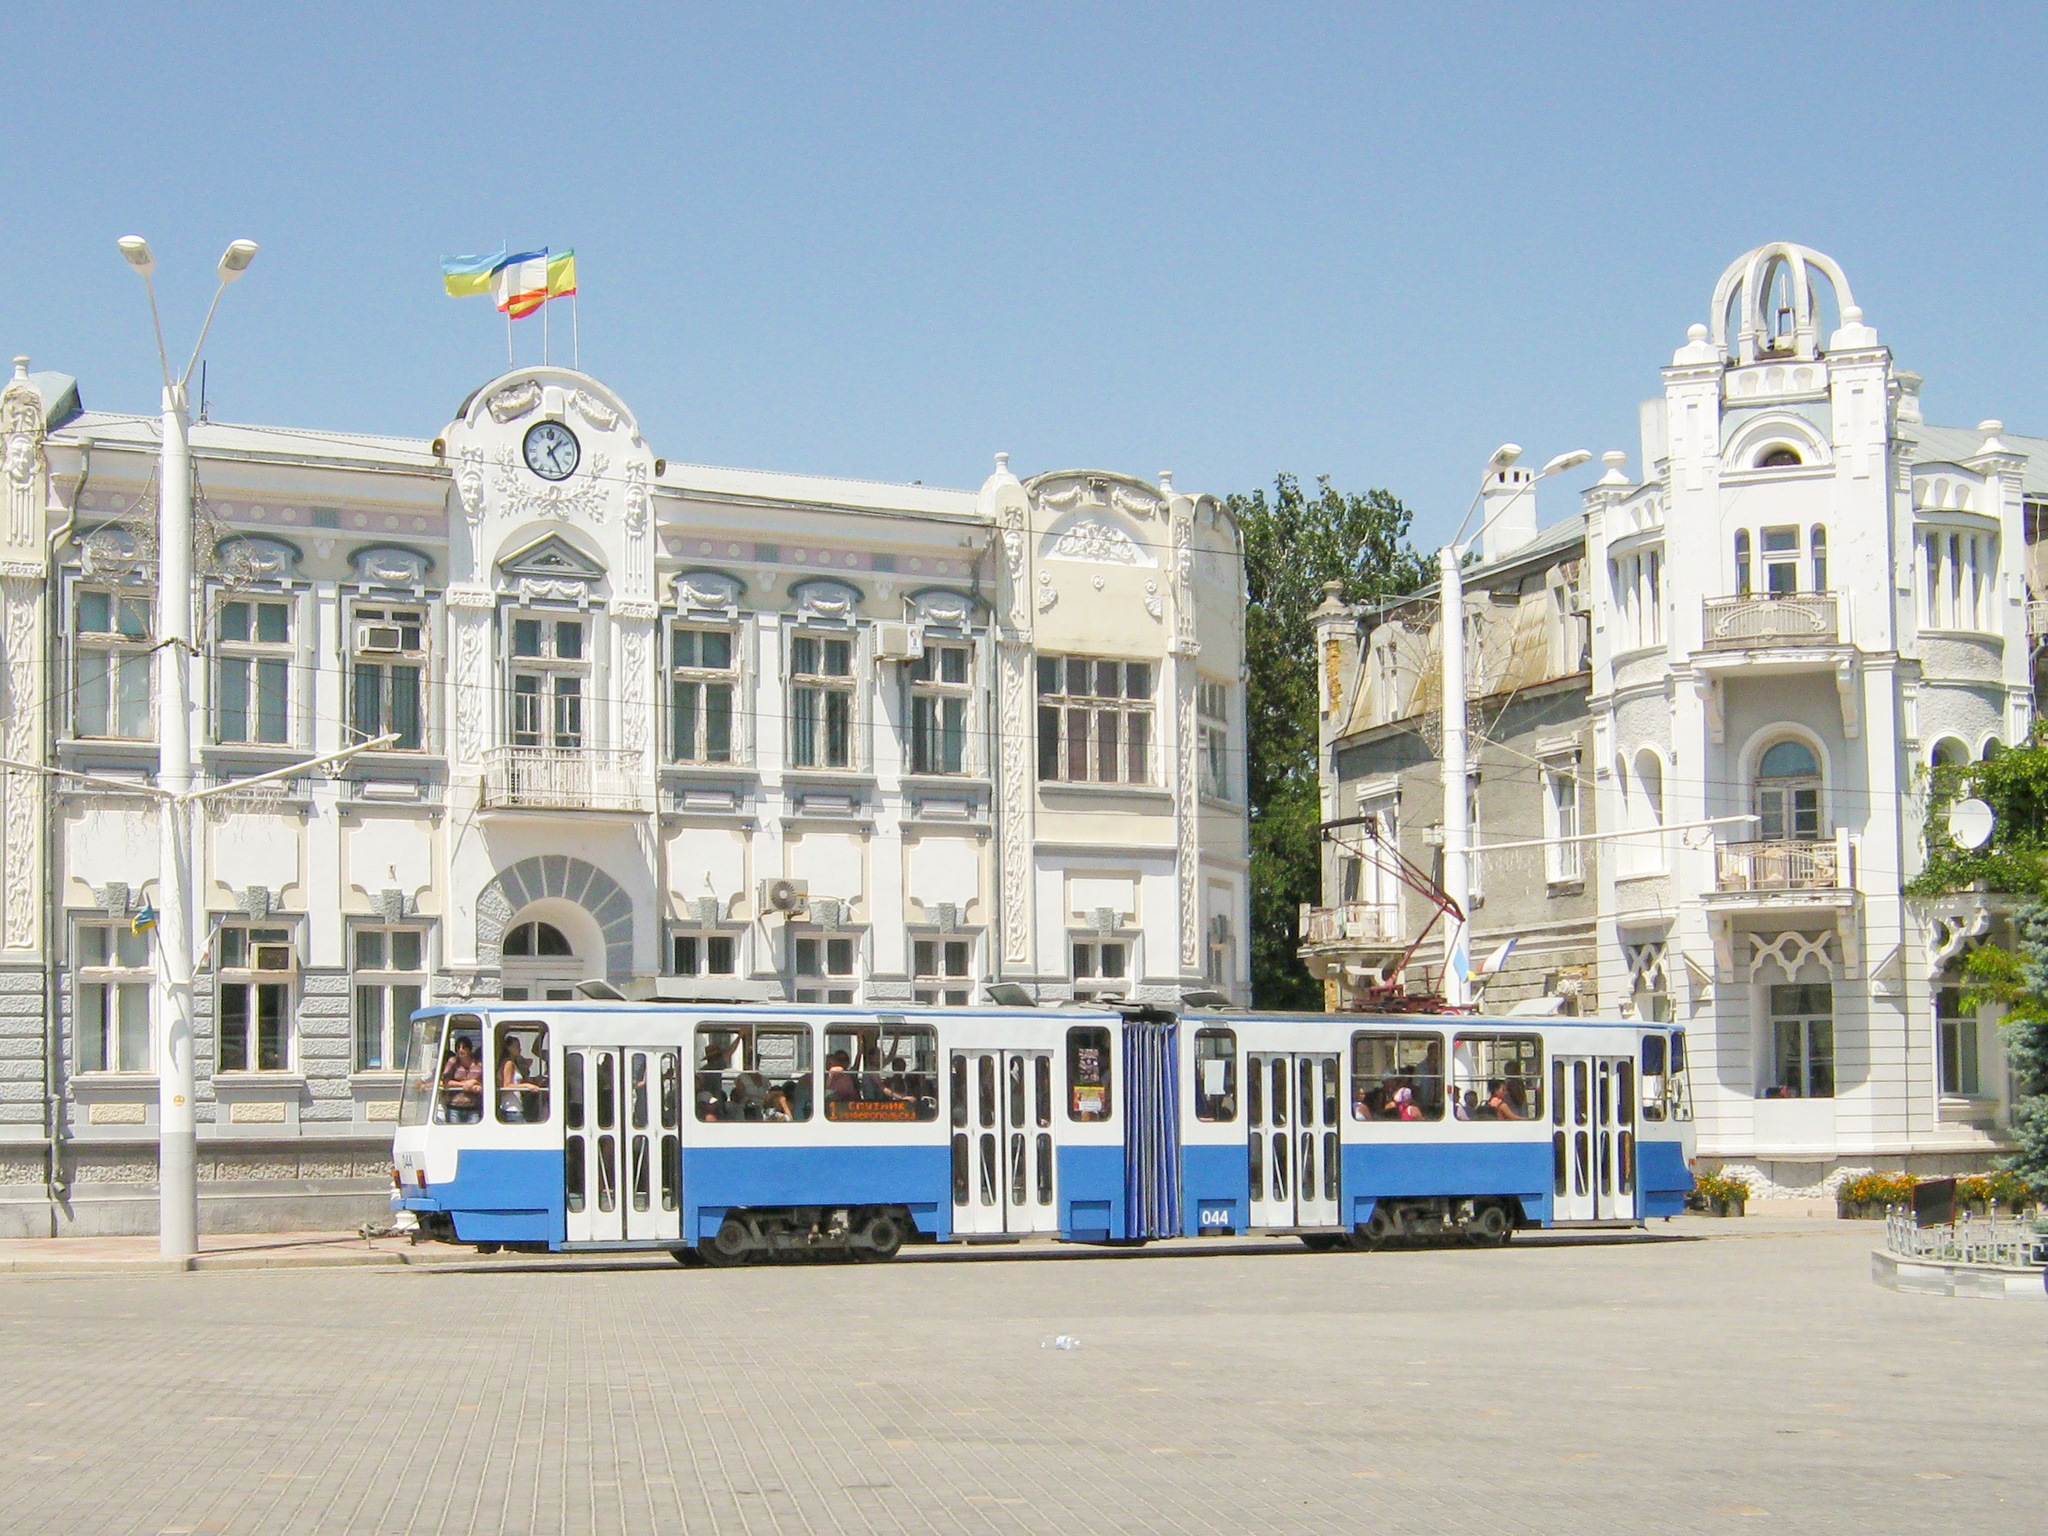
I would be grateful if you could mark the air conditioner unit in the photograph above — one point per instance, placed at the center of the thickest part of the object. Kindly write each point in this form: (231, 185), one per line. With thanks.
(373, 638)
(899, 642)
(270, 957)
(784, 895)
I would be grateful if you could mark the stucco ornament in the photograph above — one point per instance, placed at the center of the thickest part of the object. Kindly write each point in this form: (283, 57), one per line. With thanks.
(514, 401)
(469, 486)
(1048, 594)
(21, 422)
(594, 410)
(22, 597)
(1097, 542)
(521, 495)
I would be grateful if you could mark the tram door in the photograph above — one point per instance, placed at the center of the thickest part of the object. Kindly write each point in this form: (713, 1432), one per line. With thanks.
(1614, 1148)
(650, 1144)
(1004, 1169)
(1292, 1111)
(1593, 1138)
(591, 1153)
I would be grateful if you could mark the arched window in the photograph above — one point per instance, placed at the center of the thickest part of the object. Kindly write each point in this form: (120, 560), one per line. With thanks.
(1780, 456)
(1742, 561)
(1645, 814)
(1817, 546)
(1788, 794)
(1949, 753)
(1994, 748)
(534, 940)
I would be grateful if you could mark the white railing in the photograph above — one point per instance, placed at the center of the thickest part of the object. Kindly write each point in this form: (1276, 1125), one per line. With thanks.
(2037, 619)
(566, 779)
(1355, 922)
(2010, 1242)
(1778, 867)
(1806, 618)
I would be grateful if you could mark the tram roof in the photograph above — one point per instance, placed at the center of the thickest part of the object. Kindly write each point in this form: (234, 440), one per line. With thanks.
(800, 1010)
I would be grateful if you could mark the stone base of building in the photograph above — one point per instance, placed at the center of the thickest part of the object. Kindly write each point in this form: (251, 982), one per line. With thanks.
(1787, 1179)
(111, 1190)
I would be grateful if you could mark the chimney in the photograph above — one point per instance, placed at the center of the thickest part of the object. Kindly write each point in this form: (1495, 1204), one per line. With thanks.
(1511, 529)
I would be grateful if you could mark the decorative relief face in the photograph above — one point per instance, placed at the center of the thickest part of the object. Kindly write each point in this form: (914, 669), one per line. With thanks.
(551, 450)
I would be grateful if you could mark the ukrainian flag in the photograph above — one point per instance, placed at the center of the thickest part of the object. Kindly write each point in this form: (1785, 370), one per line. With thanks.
(467, 276)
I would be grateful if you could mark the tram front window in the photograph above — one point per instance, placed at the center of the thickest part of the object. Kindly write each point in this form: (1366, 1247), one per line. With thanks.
(422, 1058)
(461, 1099)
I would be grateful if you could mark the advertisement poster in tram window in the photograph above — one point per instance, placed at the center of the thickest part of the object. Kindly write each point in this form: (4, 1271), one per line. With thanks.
(1091, 1097)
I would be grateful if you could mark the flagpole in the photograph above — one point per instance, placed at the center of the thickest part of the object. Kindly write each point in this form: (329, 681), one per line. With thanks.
(508, 338)
(543, 316)
(575, 336)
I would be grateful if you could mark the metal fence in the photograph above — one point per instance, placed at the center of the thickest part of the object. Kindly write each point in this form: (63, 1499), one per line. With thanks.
(2011, 1242)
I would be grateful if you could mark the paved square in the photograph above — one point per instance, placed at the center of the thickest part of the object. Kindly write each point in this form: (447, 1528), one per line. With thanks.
(1752, 1381)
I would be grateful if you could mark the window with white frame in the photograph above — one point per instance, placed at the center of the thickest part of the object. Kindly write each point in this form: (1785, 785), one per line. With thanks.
(113, 658)
(1803, 1040)
(704, 954)
(253, 1007)
(820, 701)
(390, 981)
(550, 672)
(1220, 970)
(1212, 712)
(703, 681)
(252, 671)
(1563, 856)
(1742, 562)
(113, 977)
(942, 971)
(388, 670)
(1102, 968)
(1958, 575)
(1781, 561)
(1094, 720)
(825, 966)
(1638, 582)
(1956, 1032)
(1787, 794)
(1817, 554)
(939, 694)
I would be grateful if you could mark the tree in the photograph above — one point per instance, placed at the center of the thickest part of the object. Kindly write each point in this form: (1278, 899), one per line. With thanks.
(1293, 544)
(2015, 862)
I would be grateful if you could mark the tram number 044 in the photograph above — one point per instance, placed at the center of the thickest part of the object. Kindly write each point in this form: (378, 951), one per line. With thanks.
(1215, 1218)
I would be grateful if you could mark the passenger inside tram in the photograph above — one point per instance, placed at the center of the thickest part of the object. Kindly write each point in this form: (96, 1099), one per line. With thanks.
(462, 1082)
(522, 1078)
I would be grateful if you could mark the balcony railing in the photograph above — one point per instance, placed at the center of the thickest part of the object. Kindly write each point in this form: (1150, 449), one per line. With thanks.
(566, 779)
(2037, 619)
(1355, 922)
(1806, 618)
(1779, 867)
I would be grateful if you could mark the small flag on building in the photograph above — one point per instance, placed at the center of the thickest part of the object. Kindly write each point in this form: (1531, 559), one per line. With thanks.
(144, 919)
(562, 275)
(467, 276)
(520, 283)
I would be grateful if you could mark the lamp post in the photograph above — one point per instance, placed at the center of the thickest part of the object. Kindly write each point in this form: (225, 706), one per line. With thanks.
(177, 1145)
(1457, 976)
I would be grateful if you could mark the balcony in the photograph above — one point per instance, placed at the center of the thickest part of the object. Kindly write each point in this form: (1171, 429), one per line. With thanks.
(2037, 619)
(1742, 867)
(1357, 924)
(1751, 622)
(566, 779)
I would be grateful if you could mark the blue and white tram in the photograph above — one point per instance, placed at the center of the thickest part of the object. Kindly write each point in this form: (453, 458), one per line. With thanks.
(731, 1131)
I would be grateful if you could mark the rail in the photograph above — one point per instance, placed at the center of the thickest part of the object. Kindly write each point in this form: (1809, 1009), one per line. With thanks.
(565, 779)
(2011, 1242)
(1806, 618)
(1776, 866)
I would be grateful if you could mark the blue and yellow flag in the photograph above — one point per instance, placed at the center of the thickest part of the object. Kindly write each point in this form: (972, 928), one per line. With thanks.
(468, 276)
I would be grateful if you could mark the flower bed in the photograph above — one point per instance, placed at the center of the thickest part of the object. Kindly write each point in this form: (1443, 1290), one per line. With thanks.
(1869, 1196)
(1720, 1194)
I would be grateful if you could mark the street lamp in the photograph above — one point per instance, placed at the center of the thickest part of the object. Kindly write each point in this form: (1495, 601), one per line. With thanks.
(1457, 975)
(177, 1143)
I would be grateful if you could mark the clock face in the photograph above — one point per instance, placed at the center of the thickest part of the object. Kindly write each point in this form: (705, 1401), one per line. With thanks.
(552, 451)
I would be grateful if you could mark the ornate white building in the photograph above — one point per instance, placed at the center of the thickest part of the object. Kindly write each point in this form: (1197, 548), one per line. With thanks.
(713, 732)
(1808, 598)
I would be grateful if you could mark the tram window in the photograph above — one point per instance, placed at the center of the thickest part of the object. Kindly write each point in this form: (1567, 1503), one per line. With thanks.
(1557, 1095)
(985, 1085)
(1578, 1093)
(960, 1168)
(1497, 1077)
(1331, 1092)
(1625, 1091)
(607, 1170)
(1016, 1093)
(522, 1073)
(1625, 1160)
(1043, 1085)
(1279, 1071)
(1653, 1077)
(422, 1057)
(1397, 1076)
(462, 1073)
(1557, 1157)
(959, 1089)
(639, 1098)
(754, 1072)
(572, 1090)
(572, 1172)
(1088, 1073)
(1044, 1166)
(1258, 1165)
(1255, 1095)
(1216, 1075)
(671, 1073)
(607, 1091)
(1677, 1052)
(671, 1171)
(885, 1071)
(641, 1175)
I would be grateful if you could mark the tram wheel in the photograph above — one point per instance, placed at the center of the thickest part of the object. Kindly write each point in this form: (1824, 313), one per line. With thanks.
(1322, 1242)
(689, 1258)
(1490, 1226)
(884, 1240)
(729, 1247)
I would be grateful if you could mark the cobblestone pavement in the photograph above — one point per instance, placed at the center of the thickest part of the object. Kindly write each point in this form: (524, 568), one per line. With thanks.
(1753, 1380)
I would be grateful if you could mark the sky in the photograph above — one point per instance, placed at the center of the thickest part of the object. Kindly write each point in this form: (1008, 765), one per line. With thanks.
(888, 241)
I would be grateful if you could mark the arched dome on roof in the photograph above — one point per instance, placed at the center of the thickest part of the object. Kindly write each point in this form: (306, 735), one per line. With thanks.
(1767, 305)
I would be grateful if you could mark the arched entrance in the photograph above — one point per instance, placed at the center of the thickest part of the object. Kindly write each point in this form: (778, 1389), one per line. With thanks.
(547, 923)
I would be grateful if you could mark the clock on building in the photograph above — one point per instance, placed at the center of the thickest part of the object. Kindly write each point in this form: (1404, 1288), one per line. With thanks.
(552, 451)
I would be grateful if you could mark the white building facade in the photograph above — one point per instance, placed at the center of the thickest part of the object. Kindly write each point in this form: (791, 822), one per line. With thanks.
(711, 732)
(1809, 598)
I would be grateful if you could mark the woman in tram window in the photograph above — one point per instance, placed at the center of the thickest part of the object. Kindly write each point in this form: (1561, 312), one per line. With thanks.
(1500, 1101)
(462, 1083)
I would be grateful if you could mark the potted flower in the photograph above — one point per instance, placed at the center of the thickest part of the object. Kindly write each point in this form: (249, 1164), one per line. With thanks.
(1721, 1194)
(1867, 1196)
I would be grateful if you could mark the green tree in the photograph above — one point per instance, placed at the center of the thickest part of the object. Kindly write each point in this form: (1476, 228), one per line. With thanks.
(1294, 542)
(2015, 861)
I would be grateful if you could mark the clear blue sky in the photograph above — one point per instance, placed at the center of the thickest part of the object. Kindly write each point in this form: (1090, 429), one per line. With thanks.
(888, 241)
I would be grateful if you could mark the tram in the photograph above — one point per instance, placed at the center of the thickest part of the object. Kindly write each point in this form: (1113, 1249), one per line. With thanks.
(730, 1132)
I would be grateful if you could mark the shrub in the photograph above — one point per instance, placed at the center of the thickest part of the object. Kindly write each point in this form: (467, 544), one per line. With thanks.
(2008, 1189)
(1724, 1187)
(1876, 1189)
